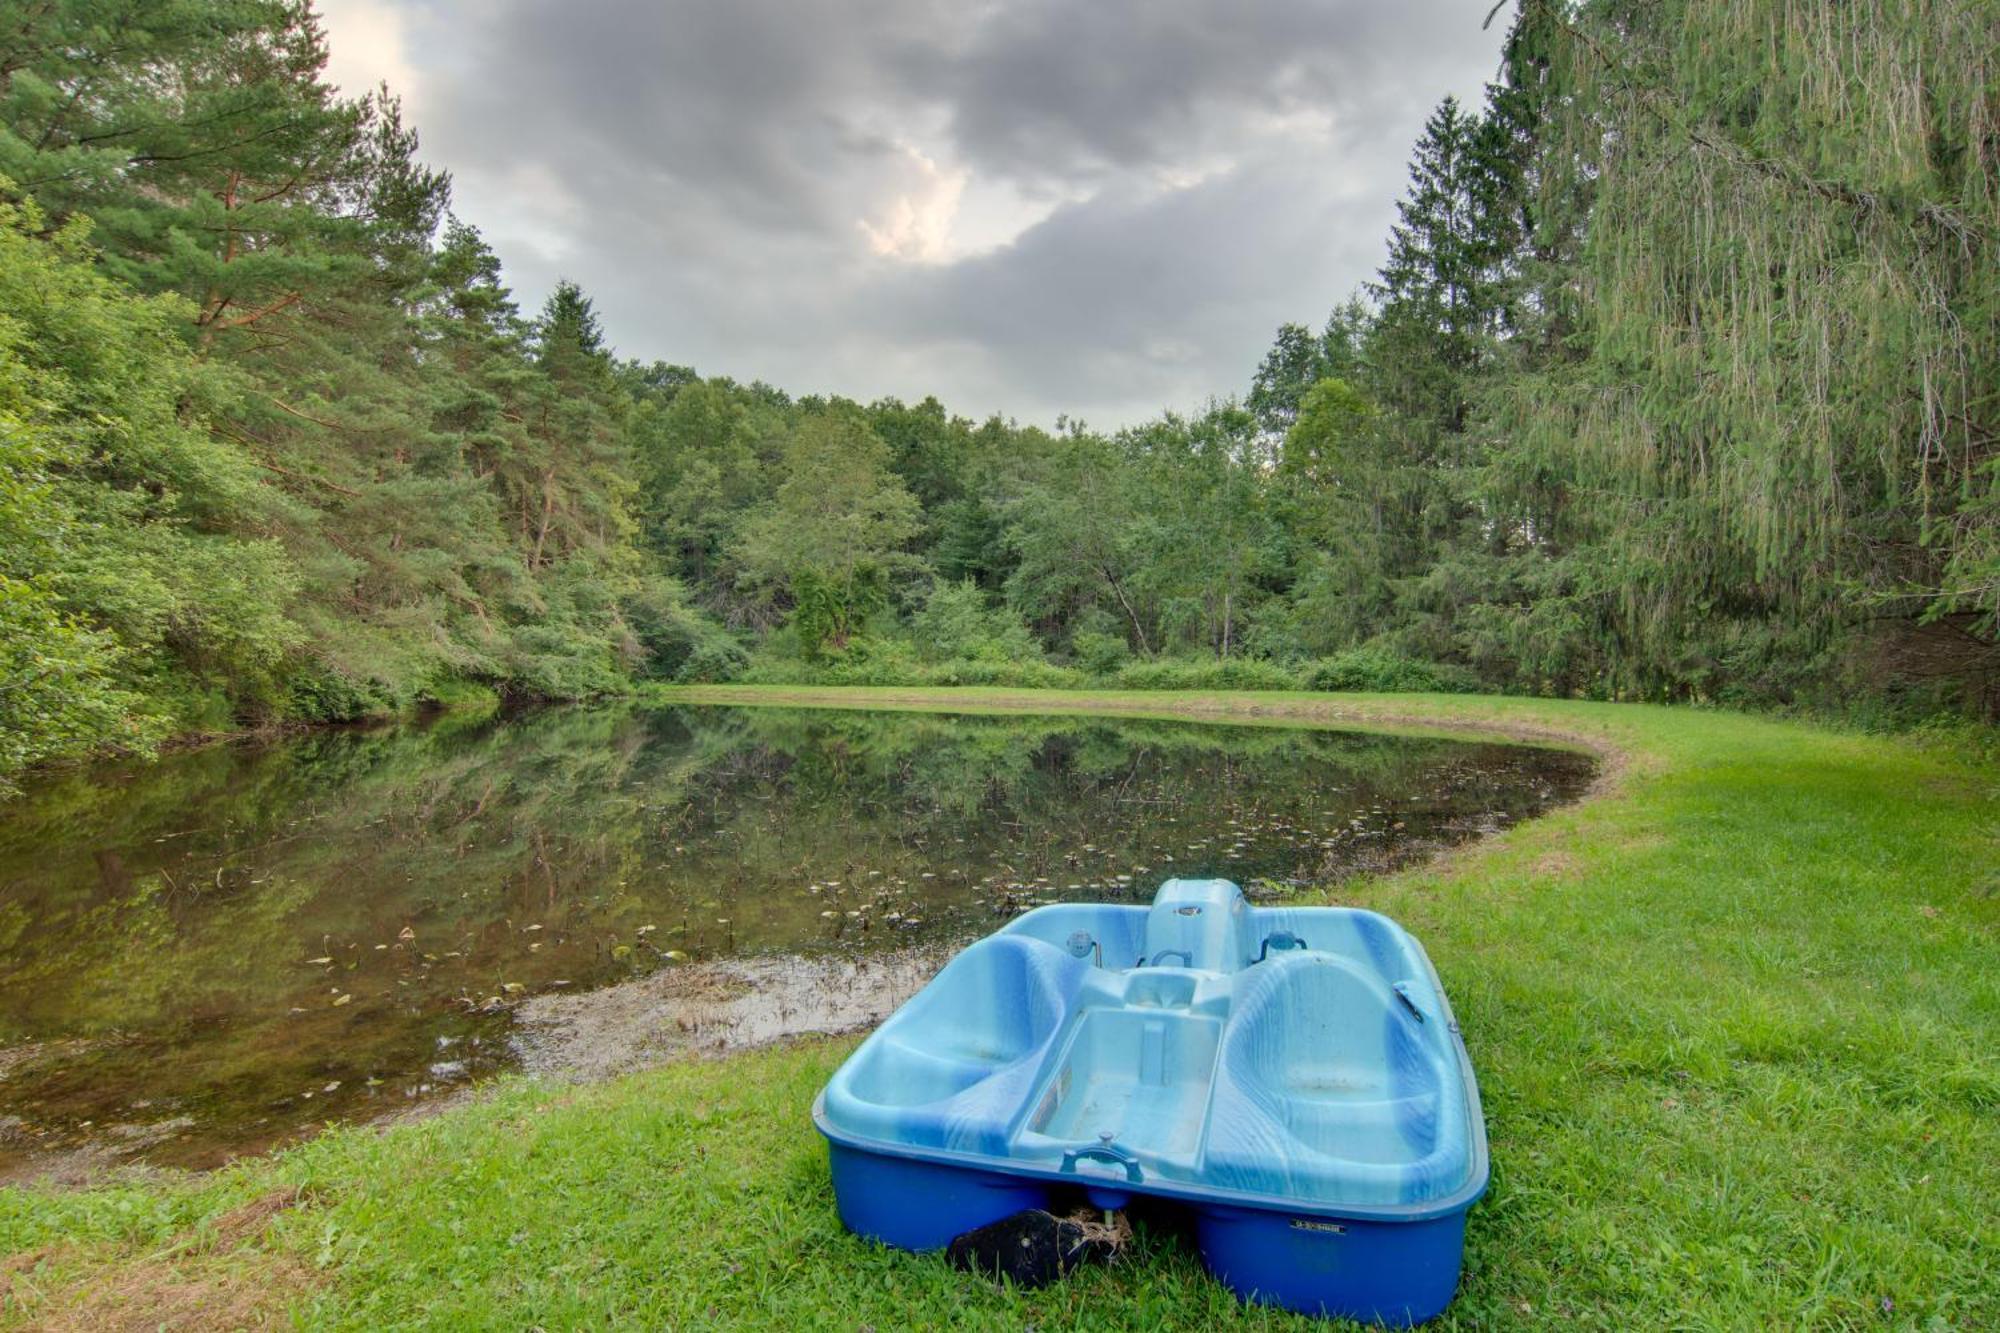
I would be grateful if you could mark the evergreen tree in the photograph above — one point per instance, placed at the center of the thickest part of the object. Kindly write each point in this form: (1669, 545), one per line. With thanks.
(1439, 291)
(971, 544)
(212, 156)
(568, 336)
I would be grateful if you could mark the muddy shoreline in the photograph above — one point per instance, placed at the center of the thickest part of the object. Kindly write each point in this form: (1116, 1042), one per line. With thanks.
(705, 1010)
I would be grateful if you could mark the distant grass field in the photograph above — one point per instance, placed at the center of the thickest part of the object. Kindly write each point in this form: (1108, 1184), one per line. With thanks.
(1736, 1020)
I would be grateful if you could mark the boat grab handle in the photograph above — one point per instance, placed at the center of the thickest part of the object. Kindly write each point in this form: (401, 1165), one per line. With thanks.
(1187, 958)
(1285, 941)
(1104, 1152)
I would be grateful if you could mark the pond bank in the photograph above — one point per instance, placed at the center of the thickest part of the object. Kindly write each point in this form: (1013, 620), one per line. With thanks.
(1734, 1018)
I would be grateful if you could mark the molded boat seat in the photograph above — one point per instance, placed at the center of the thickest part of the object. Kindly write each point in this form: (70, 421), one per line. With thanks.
(1327, 1089)
(1113, 933)
(950, 1069)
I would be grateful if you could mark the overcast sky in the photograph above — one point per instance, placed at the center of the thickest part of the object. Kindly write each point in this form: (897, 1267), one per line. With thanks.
(1094, 207)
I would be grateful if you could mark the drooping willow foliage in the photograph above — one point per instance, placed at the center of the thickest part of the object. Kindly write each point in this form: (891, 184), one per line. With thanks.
(1762, 390)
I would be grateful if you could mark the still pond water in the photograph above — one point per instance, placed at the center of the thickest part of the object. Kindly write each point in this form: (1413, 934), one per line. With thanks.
(227, 948)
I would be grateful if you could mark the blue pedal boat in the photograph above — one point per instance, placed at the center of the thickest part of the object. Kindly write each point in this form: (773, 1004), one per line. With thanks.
(1293, 1076)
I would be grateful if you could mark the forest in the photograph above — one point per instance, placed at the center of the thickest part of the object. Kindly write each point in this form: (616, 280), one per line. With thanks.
(1679, 381)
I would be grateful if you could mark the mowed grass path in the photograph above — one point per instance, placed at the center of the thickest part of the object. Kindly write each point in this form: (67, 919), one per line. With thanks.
(1736, 1019)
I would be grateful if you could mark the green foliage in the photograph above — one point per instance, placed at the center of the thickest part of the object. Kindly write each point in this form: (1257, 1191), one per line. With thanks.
(1590, 441)
(1378, 670)
(832, 533)
(828, 611)
(133, 562)
(1298, 360)
(956, 623)
(1027, 674)
(1207, 542)
(1325, 446)
(325, 469)
(1236, 673)
(470, 701)
(716, 658)
(893, 662)
(1099, 653)
(863, 660)
(1441, 299)
(59, 686)
(216, 161)
(1760, 397)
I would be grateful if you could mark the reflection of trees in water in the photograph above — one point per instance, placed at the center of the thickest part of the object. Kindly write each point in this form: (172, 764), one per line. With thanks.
(228, 855)
(968, 763)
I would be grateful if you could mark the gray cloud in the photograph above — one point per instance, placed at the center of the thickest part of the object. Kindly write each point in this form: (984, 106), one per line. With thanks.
(1102, 209)
(1053, 87)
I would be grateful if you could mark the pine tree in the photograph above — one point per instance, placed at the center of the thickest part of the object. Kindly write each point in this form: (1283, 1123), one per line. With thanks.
(1439, 289)
(88, 87)
(213, 158)
(568, 336)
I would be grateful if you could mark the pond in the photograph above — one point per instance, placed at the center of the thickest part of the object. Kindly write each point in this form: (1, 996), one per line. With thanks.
(230, 947)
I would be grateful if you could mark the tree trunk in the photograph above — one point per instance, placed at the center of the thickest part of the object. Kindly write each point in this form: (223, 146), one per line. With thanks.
(548, 513)
(1137, 628)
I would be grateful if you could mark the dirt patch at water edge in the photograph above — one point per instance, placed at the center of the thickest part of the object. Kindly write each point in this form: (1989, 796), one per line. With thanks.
(699, 1009)
(26, 1161)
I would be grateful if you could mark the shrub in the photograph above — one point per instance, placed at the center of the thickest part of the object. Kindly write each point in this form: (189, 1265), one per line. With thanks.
(955, 624)
(58, 685)
(1031, 674)
(714, 659)
(467, 698)
(1378, 669)
(887, 661)
(873, 659)
(1231, 673)
(1100, 654)
(317, 694)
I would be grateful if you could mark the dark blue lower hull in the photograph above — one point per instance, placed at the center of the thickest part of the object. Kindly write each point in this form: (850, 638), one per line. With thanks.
(1389, 1272)
(1395, 1273)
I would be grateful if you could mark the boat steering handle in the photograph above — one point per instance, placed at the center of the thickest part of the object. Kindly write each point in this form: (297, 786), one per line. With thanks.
(1186, 957)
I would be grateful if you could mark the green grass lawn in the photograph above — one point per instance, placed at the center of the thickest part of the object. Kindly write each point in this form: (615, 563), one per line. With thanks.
(1736, 1021)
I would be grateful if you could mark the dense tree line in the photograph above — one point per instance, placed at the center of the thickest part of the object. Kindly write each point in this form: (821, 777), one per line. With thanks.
(1678, 381)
